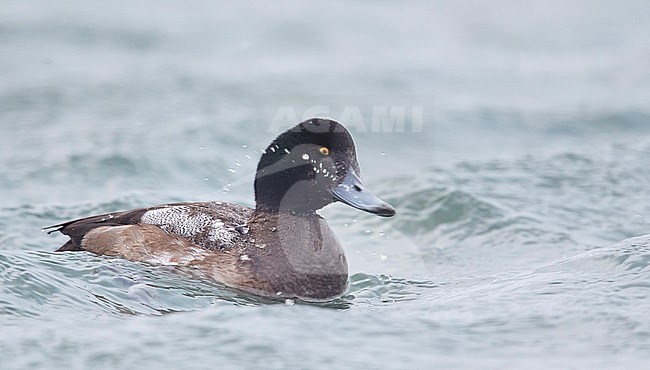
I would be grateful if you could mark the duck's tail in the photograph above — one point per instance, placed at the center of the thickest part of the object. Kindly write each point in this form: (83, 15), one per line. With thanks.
(70, 246)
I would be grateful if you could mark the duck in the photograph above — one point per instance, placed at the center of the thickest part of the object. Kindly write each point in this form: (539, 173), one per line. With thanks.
(280, 249)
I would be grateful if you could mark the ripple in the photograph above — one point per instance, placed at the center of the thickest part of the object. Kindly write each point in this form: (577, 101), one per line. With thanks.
(628, 256)
(384, 289)
(74, 284)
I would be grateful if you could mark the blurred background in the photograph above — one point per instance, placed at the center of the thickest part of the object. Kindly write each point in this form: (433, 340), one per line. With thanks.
(512, 137)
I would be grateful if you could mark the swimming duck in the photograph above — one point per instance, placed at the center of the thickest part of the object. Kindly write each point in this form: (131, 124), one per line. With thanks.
(280, 249)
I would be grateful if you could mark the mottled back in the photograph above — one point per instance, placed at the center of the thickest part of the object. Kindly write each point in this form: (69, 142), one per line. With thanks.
(210, 225)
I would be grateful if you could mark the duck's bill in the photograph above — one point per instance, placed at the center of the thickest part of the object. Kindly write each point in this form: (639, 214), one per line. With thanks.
(352, 192)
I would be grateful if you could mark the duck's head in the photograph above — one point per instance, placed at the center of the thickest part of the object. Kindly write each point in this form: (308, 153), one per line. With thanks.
(310, 166)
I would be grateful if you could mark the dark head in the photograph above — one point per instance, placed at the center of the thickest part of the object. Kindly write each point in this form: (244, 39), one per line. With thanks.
(311, 166)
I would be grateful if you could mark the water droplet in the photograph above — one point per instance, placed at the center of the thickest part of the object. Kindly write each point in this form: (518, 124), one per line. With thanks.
(305, 156)
(244, 257)
(248, 156)
(289, 302)
(287, 151)
(272, 149)
(383, 257)
(368, 231)
(383, 153)
(274, 229)
(260, 246)
(232, 170)
(381, 232)
(237, 164)
(278, 293)
(244, 146)
(355, 220)
(346, 225)
(206, 179)
(201, 148)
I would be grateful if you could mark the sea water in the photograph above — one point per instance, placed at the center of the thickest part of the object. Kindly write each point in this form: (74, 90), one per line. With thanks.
(512, 138)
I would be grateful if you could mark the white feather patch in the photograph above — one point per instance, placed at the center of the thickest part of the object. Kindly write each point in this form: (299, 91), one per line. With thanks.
(192, 224)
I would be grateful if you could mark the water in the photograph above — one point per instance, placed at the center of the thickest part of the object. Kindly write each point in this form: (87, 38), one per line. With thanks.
(530, 168)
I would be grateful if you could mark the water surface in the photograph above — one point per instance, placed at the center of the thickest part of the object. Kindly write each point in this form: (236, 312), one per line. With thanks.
(513, 200)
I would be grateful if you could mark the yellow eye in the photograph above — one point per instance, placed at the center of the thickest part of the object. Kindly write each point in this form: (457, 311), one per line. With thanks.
(324, 150)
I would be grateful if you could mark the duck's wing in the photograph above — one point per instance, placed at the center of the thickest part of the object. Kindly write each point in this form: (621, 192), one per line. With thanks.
(209, 225)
